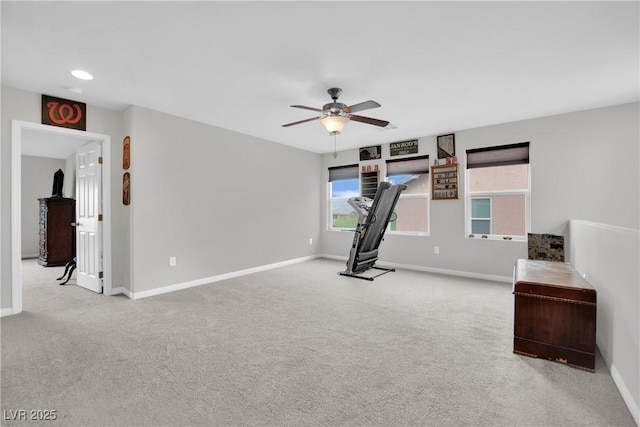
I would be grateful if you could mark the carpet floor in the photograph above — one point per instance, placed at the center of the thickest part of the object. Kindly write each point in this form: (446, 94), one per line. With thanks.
(293, 346)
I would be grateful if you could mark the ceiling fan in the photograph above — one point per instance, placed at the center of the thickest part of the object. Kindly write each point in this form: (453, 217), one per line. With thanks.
(335, 115)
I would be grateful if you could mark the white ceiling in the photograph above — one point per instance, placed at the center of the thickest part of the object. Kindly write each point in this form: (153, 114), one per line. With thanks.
(436, 67)
(51, 145)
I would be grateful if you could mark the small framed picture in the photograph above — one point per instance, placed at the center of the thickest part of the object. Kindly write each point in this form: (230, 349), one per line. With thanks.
(371, 153)
(446, 146)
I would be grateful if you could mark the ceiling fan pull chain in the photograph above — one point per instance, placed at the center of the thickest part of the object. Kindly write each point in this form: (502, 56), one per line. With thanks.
(335, 151)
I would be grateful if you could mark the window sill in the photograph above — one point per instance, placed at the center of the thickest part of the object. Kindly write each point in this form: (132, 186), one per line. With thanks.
(407, 233)
(387, 233)
(497, 238)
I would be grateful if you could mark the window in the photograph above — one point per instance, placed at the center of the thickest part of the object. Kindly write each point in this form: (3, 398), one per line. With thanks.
(497, 191)
(344, 182)
(481, 215)
(412, 209)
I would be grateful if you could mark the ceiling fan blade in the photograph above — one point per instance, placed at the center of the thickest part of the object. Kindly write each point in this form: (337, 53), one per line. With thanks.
(307, 108)
(302, 121)
(369, 120)
(366, 105)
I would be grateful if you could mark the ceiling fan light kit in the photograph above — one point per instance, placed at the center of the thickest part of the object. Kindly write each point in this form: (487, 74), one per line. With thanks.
(334, 124)
(335, 115)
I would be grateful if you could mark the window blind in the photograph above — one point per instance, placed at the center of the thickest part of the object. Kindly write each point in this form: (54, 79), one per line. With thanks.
(411, 166)
(502, 155)
(341, 173)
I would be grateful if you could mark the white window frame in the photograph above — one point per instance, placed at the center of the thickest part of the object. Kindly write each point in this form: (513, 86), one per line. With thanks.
(330, 199)
(488, 194)
(427, 197)
(414, 233)
(472, 218)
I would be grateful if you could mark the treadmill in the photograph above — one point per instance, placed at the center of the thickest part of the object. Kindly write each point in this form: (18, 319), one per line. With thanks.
(373, 218)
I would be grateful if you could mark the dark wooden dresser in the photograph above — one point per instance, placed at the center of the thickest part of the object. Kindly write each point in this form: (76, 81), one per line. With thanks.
(57, 235)
(554, 313)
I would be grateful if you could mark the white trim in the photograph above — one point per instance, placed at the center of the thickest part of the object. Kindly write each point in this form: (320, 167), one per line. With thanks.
(625, 393)
(497, 237)
(6, 312)
(121, 290)
(212, 279)
(336, 257)
(622, 387)
(488, 193)
(624, 230)
(468, 195)
(416, 196)
(469, 274)
(407, 233)
(607, 354)
(107, 217)
(17, 127)
(16, 219)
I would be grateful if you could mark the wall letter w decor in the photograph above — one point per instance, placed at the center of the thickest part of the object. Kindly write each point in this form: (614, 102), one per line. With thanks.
(64, 113)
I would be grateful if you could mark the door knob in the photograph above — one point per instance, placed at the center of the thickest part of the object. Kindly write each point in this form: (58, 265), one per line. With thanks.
(75, 224)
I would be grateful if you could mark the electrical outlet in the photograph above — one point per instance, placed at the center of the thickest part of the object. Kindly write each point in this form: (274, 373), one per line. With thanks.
(172, 261)
(436, 249)
(310, 241)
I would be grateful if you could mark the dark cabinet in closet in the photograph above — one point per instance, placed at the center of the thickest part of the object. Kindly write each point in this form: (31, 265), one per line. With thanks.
(57, 235)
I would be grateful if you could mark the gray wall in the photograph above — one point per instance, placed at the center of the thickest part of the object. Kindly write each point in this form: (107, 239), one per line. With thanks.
(37, 181)
(608, 256)
(584, 165)
(69, 189)
(23, 105)
(217, 200)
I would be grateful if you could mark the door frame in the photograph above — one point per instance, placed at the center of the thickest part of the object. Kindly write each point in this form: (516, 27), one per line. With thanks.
(17, 128)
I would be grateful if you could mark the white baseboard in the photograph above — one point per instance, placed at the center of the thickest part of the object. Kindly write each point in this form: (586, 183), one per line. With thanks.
(469, 274)
(6, 312)
(622, 386)
(120, 290)
(212, 279)
(626, 394)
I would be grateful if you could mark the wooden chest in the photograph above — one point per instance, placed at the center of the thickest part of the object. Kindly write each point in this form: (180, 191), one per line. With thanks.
(554, 314)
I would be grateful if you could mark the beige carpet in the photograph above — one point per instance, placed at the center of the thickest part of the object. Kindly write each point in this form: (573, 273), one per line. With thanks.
(295, 346)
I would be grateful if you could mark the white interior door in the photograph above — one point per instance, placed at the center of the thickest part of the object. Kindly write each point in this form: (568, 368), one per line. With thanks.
(89, 216)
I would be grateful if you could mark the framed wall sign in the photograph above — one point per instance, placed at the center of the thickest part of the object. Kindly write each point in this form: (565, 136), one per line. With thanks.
(446, 146)
(64, 113)
(403, 147)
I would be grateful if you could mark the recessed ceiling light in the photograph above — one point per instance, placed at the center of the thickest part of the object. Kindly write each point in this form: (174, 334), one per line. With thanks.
(82, 75)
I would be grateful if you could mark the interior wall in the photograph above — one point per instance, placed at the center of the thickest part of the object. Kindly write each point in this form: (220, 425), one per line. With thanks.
(37, 181)
(608, 256)
(583, 165)
(216, 200)
(69, 189)
(18, 104)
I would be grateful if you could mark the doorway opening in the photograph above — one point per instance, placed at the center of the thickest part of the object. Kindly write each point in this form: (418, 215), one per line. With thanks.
(20, 131)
